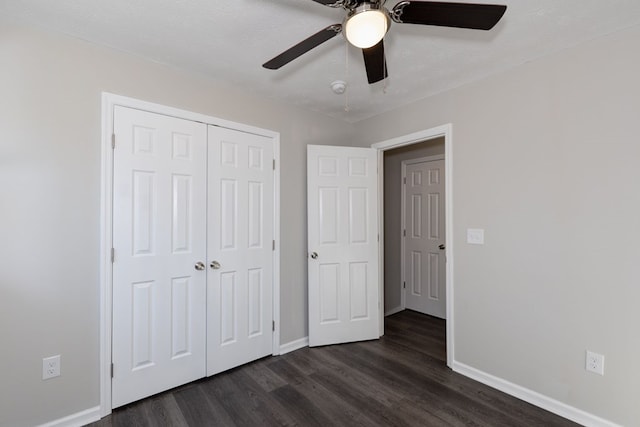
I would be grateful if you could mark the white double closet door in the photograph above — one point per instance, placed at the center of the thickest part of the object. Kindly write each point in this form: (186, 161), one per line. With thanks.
(193, 265)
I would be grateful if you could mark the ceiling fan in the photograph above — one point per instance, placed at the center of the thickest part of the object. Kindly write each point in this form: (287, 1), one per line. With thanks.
(367, 22)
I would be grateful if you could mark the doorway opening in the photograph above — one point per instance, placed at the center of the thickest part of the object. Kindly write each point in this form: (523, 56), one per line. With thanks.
(397, 229)
(428, 143)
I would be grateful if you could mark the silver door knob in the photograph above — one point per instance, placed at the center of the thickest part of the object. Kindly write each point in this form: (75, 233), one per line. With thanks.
(215, 265)
(199, 266)
(441, 247)
(314, 255)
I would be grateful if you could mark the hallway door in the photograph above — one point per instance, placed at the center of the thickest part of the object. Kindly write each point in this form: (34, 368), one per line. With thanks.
(423, 237)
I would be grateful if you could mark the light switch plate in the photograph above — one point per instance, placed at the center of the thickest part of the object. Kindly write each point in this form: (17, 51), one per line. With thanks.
(475, 236)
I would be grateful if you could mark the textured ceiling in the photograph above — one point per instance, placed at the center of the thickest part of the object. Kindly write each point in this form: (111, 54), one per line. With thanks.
(230, 39)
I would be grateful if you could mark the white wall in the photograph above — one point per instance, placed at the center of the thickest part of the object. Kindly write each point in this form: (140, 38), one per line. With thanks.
(393, 214)
(50, 101)
(546, 159)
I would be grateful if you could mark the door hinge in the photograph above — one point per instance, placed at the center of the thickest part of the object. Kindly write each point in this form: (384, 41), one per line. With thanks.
(404, 232)
(273, 245)
(404, 285)
(378, 238)
(404, 180)
(113, 141)
(112, 370)
(113, 255)
(273, 325)
(274, 164)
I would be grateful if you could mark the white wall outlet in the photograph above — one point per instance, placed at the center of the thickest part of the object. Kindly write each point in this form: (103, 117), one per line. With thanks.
(475, 236)
(50, 367)
(594, 363)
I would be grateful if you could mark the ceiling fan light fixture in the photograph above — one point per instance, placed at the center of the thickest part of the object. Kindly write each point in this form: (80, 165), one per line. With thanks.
(366, 26)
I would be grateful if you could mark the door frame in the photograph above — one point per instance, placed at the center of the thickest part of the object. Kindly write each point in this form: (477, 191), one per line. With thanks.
(109, 101)
(403, 212)
(445, 131)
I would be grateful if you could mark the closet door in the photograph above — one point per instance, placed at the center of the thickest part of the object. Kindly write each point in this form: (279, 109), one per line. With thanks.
(159, 237)
(239, 248)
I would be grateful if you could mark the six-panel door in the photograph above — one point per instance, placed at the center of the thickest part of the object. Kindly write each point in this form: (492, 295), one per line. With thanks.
(159, 214)
(343, 244)
(240, 249)
(424, 254)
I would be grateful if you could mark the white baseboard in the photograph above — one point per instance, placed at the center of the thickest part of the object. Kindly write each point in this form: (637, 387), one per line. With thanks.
(294, 345)
(76, 420)
(533, 397)
(395, 310)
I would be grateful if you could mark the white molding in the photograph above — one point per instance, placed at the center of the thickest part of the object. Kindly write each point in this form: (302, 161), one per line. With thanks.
(76, 420)
(393, 311)
(294, 345)
(106, 243)
(445, 131)
(414, 138)
(423, 159)
(533, 397)
(124, 101)
(109, 101)
(403, 201)
(276, 254)
(381, 314)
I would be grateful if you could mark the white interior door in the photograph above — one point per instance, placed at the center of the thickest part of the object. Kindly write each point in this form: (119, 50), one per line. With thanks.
(424, 242)
(159, 205)
(240, 249)
(342, 201)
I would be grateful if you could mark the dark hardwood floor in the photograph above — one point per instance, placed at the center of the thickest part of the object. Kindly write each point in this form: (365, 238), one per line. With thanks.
(400, 380)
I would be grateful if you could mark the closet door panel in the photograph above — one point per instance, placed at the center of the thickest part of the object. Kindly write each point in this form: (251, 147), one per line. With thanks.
(240, 236)
(159, 223)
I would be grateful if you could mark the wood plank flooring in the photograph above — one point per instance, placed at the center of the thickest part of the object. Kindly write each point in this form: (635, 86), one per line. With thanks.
(400, 380)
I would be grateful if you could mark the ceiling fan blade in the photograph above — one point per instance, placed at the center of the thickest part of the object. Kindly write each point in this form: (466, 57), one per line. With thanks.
(303, 47)
(460, 15)
(331, 3)
(375, 63)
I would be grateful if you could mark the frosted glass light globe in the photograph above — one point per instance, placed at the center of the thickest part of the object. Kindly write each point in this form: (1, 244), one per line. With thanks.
(366, 28)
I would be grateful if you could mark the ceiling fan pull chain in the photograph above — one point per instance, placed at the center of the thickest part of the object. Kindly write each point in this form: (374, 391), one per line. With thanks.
(346, 66)
(385, 81)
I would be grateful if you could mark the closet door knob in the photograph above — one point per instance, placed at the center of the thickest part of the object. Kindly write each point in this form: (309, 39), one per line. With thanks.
(314, 255)
(199, 266)
(215, 265)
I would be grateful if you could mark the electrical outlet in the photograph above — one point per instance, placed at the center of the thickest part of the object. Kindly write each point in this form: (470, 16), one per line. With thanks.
(50, 367)
(594, 363)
